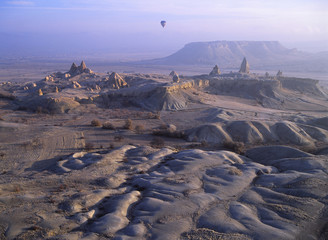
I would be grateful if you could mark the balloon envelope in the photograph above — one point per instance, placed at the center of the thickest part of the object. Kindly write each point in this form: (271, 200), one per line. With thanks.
(163, 23)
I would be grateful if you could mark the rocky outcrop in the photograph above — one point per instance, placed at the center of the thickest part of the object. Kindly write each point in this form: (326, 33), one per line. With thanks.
(76, 70)
(172, 73)
(244, 68)
(279, 73)
(215, 71)
(73, 68)
(176, 78)
(115, 81)
(40, 93)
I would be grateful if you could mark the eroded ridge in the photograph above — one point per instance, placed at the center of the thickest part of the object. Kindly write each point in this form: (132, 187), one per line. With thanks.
(144, 193)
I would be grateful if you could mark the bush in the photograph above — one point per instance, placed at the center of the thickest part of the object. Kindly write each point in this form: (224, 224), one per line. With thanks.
(128, 124)
(95, 123)
(237, 147)
(168, 131)
(118, 138)
(139, 129)
(156, 115)
(157, 142)
(108, 125)
(88, 146)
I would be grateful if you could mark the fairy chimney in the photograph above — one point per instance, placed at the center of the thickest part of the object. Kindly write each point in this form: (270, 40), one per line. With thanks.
(279, 73)
(176, 78)
(215, 71)
(40, 93)
(116, 81)
(172, 73)
(73, 68)
(83, 66)
(244, 68)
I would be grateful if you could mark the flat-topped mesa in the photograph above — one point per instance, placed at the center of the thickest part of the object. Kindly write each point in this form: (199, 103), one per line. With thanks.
(75, 70)
(244, 68)
(215, 71)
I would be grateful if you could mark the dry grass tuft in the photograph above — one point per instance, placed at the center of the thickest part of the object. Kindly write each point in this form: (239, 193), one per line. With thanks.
(139, 129)
(108, 125)
(88, 146)
(157, 142)
(128, 124)
(237, 147)
(118, 138)
(95, 123)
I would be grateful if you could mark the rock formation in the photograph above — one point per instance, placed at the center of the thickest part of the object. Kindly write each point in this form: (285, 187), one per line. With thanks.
(176, 78)
(244, 68)
(75, 70)
(116, 81)
(279, 73)
(40, 93)
(76, 84)
(173, 73)
(215, 71)
(83, 66)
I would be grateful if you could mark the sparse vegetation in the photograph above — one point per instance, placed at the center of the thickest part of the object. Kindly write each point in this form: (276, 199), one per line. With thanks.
(156, 115)
(237, 147)
(108, 125)
(157, 142)
(88, 146)
(128, 124)
(139, 129)
(118, 138)
(39, 110)
(168, 131)
(95, 123)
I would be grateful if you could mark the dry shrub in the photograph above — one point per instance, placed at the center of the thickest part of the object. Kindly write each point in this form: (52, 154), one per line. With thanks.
(40, 110)
(95, 123)
(17, 188)
(235, 171)
(165, 130)
(139, 129)
(108, 125)
(157, 142)
(118, 138)
(88, 146)
(237, 147)
(128, 124)
(156, 115)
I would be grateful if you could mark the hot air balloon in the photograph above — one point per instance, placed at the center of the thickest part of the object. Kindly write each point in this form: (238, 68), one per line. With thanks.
(163, 23)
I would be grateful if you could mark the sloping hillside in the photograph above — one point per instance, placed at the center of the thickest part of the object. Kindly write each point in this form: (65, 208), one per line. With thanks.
(229, 54)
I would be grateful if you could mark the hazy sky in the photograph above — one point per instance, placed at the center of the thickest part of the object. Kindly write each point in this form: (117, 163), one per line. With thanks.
(133, 26)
